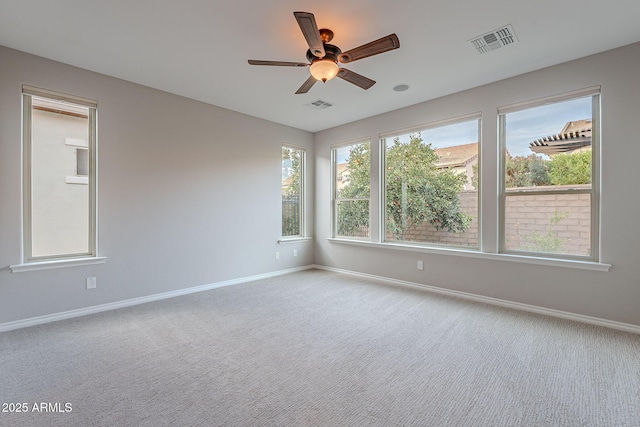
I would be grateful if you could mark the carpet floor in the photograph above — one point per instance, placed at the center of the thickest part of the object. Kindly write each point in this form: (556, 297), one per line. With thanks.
(318, 348)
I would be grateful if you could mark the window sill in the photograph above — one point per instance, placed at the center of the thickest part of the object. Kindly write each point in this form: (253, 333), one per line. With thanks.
(583, 265)
(77, 180)
(284, 240)
(58, 263)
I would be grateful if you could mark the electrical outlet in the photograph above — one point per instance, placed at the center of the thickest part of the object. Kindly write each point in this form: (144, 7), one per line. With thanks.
(295, 252)
(420, 265)
(277, 255)
(91, 282)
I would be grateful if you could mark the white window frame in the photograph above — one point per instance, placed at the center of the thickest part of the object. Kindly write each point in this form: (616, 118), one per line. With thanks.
(334, 190)
(29, 262)
(594, 93)
(303, 190)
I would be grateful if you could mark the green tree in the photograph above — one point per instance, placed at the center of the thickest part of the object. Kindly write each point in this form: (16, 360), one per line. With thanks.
(353, 215)
(474, 178)
(417, 191)
(547, 241)
(570, 169)
(526, 171)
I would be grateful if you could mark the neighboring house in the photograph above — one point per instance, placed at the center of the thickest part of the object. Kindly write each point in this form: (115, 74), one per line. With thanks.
(460, 159)
(59, 182)
(286, 183)
(342, 176)
(575, 136)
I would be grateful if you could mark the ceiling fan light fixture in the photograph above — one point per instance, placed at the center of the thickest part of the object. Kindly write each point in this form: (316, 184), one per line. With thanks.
(324, 69)
(323, 57)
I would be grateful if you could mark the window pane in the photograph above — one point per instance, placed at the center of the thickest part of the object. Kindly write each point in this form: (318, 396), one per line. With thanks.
(547, 174)
(290, 215)
(431, 185)
(352, 186)
(353, 218)
(59, 210)
(292, 164)
(549, 146)
(549, 223)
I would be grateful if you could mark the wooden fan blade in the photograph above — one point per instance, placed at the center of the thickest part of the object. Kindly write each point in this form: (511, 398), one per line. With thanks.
(375, 47)
(306, 85)
(278, 63)
(311, 33)
(355, 78)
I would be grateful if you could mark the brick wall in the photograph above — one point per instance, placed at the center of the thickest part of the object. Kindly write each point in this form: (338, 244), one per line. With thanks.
(427, 233)
(528, 222)
(528, 217)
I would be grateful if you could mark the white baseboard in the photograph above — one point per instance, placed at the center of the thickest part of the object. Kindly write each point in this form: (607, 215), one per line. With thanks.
(8, 326)
(627, 327)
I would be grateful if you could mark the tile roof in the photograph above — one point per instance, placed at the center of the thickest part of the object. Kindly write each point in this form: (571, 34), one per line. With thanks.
(456, 156)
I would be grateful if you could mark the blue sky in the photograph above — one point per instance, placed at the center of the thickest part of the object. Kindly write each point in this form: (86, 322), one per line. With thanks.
(523, 127)
(450, 135)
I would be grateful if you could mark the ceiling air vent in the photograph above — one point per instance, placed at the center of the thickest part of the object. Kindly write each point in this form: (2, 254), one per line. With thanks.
(494, 40)
(319, 104)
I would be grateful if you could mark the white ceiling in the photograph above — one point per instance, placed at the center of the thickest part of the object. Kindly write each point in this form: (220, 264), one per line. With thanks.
(199, 48)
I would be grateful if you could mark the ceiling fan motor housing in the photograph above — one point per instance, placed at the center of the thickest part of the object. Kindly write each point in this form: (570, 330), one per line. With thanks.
(331, 52)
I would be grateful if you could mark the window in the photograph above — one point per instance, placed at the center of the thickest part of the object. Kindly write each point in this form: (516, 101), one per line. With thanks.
(293, 165)
(82, 162)
(430, 184)
(351, 189)
(59, 151)
(549, 173)
(81, 147)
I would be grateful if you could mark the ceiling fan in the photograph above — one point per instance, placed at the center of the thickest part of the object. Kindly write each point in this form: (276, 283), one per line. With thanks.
(324, 57)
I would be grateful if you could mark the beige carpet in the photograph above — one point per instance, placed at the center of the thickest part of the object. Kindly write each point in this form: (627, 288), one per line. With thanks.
(318, 348)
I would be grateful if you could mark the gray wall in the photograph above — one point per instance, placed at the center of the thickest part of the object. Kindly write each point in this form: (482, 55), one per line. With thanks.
(613, 295)
(188, 193)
